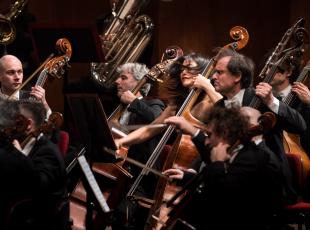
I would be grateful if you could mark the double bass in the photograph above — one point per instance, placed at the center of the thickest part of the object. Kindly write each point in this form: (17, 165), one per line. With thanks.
(52, 66)
(290, 47)
(291, 141)
(114, 172)
(182, 143)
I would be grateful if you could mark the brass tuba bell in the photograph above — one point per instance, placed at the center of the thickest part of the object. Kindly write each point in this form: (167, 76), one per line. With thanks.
(123, 41)
(7, 28)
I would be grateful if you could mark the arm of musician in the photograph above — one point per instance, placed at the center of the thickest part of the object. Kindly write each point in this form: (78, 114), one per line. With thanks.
(303, 94)
(39, 93)
(182, 124)
(180, 176)
(146, 132)
(264, 91)
(138, 136)
(147, 110)
(174, 173)
(288, 118)
(199, 138)
(203, 83)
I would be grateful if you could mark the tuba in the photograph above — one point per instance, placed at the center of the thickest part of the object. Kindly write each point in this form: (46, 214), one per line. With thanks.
(123, 41)
(7, 28)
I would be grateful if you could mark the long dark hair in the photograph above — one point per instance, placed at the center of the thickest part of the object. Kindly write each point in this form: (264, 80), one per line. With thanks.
(173, 91)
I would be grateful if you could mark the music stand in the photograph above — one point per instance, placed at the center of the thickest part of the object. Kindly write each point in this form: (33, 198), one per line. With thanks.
(90, 126)
(84, 39)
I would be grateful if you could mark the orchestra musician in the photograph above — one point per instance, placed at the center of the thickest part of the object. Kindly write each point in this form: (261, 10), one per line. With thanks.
(185, 174)
(48, 207)
(17, 173)
(139, 110)
(174, 89)
(283, 83)
(235, 173)
(11, 77)
(233, 78)
(183, 75)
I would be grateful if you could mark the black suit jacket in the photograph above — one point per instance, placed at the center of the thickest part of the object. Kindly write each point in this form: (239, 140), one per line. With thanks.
(287, 119)
(50, 190)
(49, 165)
(239, 195)
(304, 110)
(23, 94)
(144, 111)
(17, 178)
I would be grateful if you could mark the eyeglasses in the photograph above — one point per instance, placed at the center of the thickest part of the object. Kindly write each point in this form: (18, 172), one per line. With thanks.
(191, 70)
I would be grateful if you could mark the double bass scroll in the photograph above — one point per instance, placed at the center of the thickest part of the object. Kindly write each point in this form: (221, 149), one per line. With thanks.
(53, 66)
(240, 38)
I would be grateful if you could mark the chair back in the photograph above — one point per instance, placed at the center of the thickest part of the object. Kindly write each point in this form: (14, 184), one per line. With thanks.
(63, 143)
(296, 166)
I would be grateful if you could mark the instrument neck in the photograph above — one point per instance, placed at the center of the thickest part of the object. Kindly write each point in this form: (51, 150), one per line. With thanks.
(42, 78)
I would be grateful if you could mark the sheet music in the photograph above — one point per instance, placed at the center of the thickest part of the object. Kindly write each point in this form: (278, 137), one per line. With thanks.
(93, 183)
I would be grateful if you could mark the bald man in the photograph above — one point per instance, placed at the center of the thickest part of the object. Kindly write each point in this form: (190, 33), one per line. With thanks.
(11, 78)
(253, 115)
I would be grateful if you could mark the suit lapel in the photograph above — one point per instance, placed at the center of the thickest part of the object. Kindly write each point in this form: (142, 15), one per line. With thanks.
(249, 94)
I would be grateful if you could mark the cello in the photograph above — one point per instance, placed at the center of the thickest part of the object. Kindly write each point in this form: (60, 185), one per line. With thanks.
(182, 143)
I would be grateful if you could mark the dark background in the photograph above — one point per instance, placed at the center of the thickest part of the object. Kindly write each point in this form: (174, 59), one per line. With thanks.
(194, 25)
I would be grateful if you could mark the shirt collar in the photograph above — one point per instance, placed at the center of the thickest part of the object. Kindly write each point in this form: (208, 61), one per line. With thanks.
(29, 146)
(285, 91)
(235, 100)
(16, 95)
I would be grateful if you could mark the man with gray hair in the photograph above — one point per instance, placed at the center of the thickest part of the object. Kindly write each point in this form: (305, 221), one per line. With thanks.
(139, 110)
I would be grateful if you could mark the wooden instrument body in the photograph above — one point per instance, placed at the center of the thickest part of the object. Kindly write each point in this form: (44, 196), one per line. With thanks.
(291, 142)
